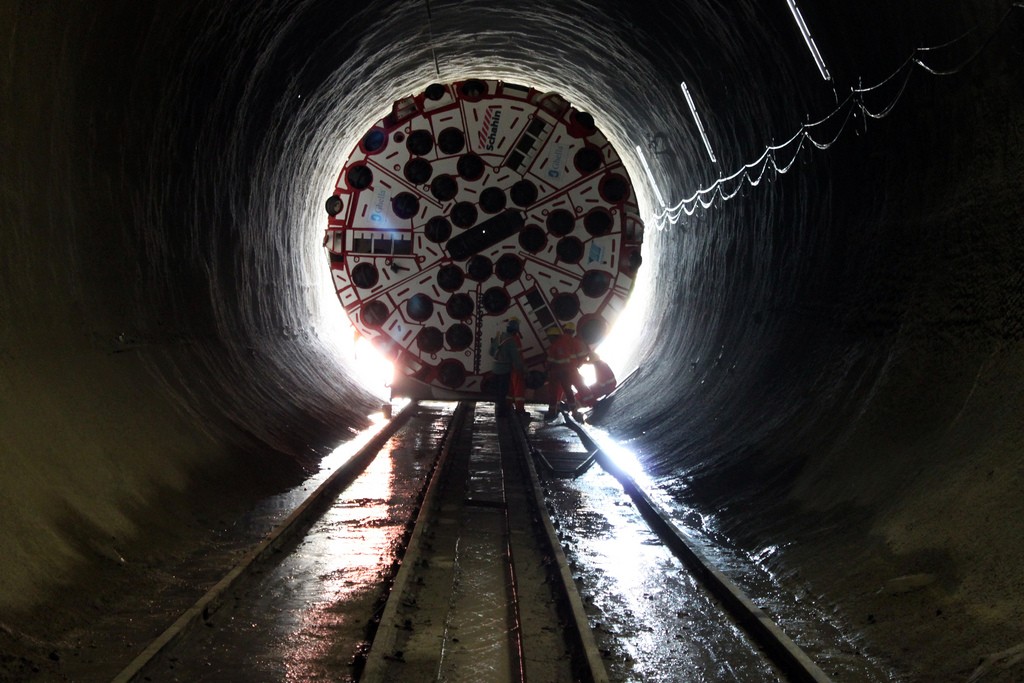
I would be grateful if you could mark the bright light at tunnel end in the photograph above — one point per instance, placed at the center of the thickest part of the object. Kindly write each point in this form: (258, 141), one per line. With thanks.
(619, 347)
(362, 361)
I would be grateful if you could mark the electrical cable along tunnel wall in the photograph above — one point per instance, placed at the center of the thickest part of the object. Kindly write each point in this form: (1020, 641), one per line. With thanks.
(470, 204)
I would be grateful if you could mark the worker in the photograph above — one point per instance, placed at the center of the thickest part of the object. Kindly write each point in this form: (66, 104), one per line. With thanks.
(508, 365)
(517, 378)
(566, 353)
(604, 382)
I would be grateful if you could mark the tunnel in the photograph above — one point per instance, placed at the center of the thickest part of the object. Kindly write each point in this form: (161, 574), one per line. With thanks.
(830, 364)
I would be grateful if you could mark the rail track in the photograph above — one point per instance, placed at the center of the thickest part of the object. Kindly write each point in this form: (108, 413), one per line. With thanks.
(785, 654)
(469, 579)
(484, 592)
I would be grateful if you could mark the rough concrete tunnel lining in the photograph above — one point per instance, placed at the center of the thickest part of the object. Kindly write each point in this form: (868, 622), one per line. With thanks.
(834, 359)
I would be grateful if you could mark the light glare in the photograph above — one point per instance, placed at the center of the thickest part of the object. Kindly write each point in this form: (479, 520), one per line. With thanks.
(371, 367)
(619, 347)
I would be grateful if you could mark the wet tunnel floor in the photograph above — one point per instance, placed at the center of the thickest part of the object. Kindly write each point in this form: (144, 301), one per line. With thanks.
(304, 618)
(651, 620)
(473, 601)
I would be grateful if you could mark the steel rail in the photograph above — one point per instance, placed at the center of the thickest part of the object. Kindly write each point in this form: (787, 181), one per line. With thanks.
(513, 581)
(790, 658)
(383, 641)
(529, 544)
(590, 661)
(298, 521)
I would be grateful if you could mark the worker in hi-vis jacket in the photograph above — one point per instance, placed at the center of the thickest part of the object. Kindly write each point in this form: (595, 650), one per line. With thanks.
(509, 370)
(565, 356)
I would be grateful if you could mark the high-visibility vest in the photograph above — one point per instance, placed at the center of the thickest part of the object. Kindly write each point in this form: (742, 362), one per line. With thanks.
(567, 350)
(562, 352)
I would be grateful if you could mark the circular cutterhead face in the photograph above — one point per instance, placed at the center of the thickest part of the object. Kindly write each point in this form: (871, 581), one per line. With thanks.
(471, 204)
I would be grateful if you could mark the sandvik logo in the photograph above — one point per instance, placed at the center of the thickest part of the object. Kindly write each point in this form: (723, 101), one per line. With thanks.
(489, 131)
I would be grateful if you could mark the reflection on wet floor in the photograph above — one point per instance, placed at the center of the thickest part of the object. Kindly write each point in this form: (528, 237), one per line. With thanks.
(474, 599)
(477, 644)
(342, 557)
(657, 624)
(305, 618)
(652, 620)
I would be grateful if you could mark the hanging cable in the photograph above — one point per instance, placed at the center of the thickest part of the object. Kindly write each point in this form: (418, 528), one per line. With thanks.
(855, 101)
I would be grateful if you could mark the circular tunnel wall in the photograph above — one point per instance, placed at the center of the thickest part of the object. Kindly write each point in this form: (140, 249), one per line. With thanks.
(839, 342)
